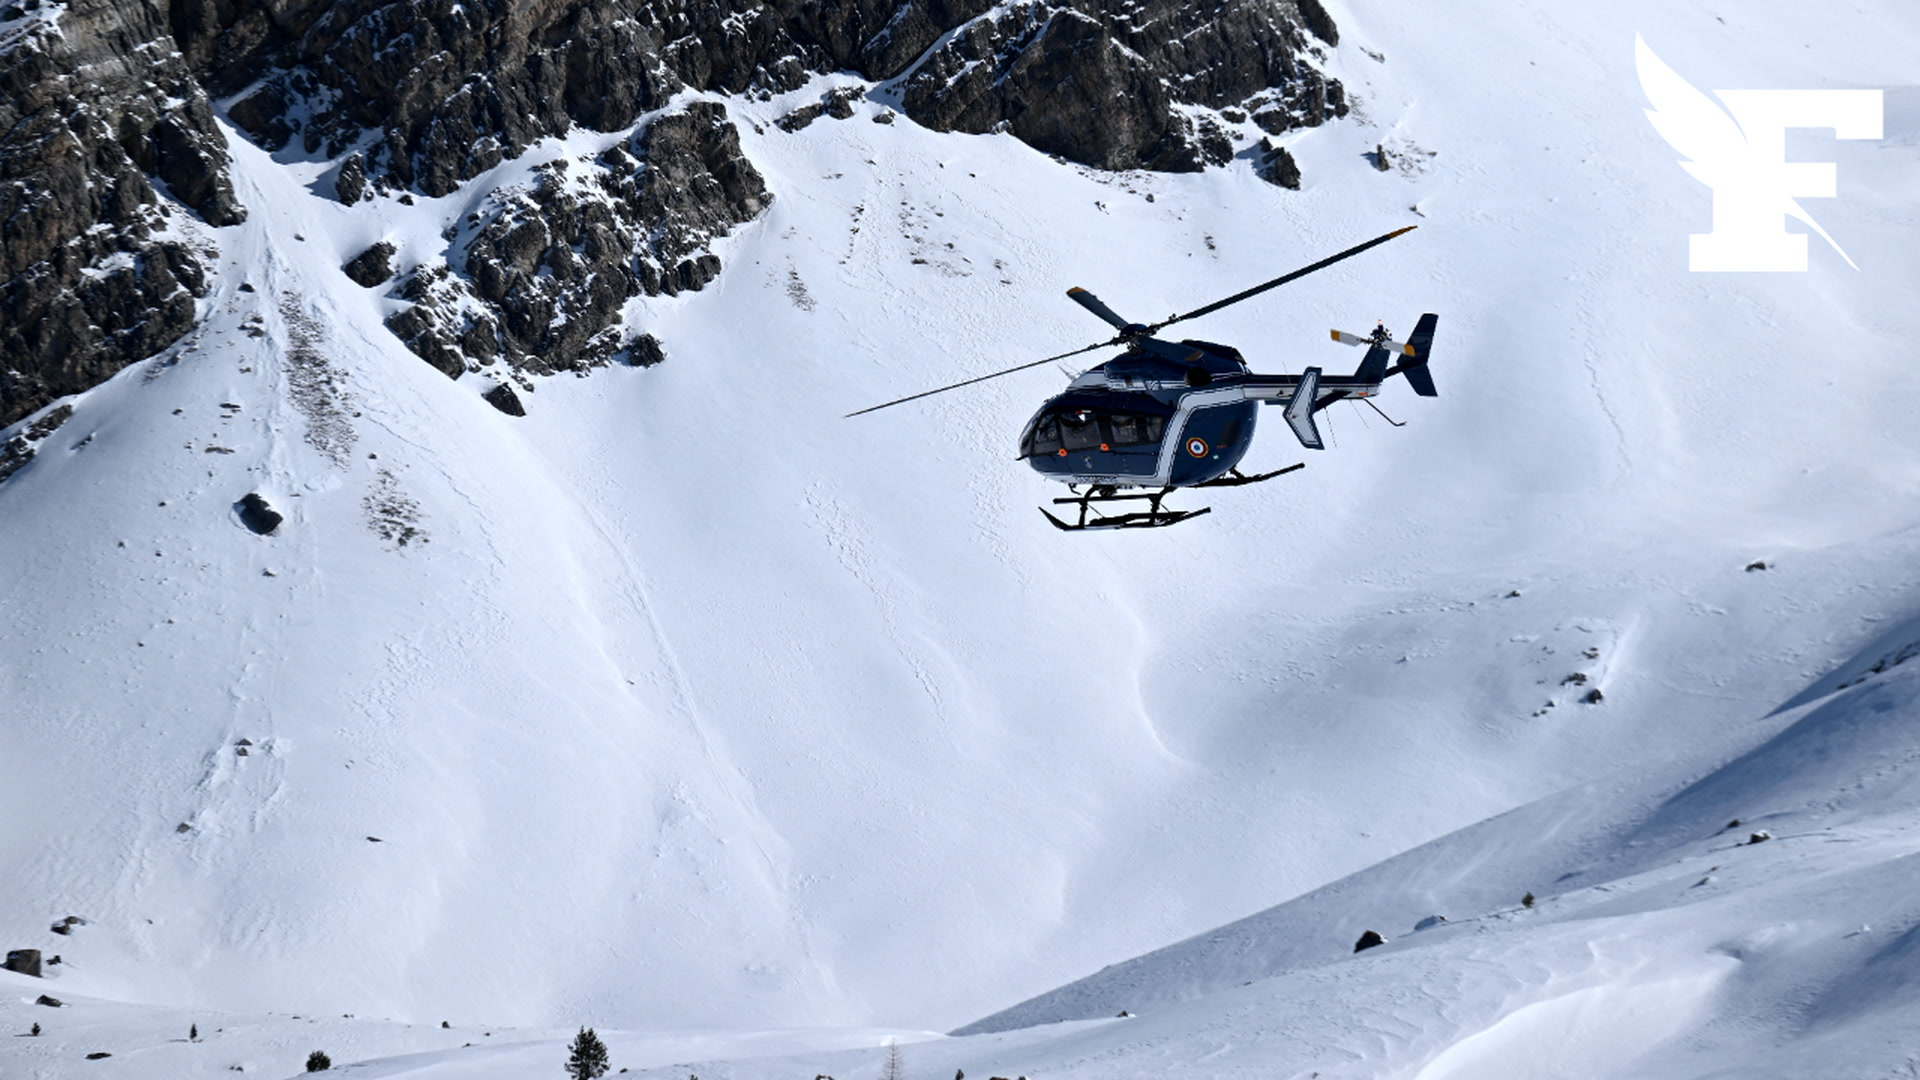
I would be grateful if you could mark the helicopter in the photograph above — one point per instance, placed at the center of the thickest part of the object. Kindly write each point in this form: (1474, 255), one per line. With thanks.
(1166, 415)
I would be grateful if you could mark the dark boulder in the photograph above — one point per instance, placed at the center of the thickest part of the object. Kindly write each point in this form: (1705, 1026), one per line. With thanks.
(255, 514)
(49, 1001)
(1368, 940)
(645, 351)
(503, 398)
(351, 183)
(1276, 166)
(373, 266)
(24, 961)
(800, 117)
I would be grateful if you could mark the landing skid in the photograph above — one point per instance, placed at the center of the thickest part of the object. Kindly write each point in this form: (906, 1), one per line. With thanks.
(1234, 478)
(1154, 516)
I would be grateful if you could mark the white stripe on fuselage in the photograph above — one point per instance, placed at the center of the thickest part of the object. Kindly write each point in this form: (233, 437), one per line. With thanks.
(1191, 403)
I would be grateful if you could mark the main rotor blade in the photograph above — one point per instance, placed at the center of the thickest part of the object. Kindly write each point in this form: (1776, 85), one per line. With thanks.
(1092, 303)
(1279, 281)
(983, 378)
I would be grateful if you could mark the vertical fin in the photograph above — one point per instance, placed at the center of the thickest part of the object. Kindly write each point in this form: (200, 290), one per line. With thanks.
(1419, 376)
(1373, 366)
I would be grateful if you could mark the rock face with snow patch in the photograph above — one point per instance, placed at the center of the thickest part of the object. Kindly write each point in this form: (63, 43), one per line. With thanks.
(110, 144)
(1103, 82)
(548, 271)
(98, 115)
(454, 89)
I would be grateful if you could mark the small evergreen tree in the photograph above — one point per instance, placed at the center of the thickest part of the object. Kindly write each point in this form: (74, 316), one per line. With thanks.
(895, 1068)
(36, 1030)
(1527, 900)
(587, 1057)
(193, 1032)
(318, 1061)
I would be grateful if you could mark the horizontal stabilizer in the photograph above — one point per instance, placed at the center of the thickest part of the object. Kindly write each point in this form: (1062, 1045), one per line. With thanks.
(1345, 338)
(1299, 411)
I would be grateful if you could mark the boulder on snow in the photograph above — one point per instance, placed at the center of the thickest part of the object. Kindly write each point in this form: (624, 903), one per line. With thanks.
(351, 184)
(49, 1001)
(24, 961)
(373, 266)
(1276, 166)
(645, 351)
(503, 398)
(255, 514)
(1429, 923)
(1368, 940)
(1760, 837)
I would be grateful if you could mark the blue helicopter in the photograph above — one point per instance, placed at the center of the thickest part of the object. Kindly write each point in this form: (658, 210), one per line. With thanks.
(1167, 415)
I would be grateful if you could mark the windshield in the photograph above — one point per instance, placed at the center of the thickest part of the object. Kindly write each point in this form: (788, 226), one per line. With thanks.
(1086, 429)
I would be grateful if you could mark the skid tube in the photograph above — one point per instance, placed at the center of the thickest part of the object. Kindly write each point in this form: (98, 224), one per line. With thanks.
(1155, 516)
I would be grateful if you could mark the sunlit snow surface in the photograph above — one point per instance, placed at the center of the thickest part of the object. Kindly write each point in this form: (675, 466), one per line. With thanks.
(691, 706)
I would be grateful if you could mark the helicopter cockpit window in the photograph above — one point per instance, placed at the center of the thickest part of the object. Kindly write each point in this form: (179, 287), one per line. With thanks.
(1046, 437)
(1080, 429)
(1135, 429)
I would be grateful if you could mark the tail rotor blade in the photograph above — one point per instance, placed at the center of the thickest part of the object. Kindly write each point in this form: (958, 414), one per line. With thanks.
(1092, 303)
(981, 379)
(1345, 338)
(1281, 280)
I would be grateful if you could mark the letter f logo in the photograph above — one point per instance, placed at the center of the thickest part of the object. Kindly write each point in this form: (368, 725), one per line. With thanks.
(1743, 158)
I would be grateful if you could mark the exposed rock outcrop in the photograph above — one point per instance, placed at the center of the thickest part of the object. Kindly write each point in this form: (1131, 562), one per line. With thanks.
(1100, 81)
(545, 276)
(24, 961)
(1276, 166)
(503, 398)
(98, 115)
(454, 89)
(373, 266)
(106, 130)
(16, 452)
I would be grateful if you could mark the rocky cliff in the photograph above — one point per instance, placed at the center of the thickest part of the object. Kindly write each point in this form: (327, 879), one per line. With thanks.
(99, 116)
(111, 162)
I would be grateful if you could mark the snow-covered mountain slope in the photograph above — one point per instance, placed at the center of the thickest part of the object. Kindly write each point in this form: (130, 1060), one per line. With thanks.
(682, 701)
(1662, 941)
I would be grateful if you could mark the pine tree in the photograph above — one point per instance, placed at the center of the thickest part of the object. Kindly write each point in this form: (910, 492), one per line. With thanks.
(193, 1032)
(895, 1069)
(1527, 900)
(36, 1030)
(587, 1057)
(318, 1061)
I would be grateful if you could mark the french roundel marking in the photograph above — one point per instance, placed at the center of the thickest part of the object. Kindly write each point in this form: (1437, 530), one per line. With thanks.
(1197, 447)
